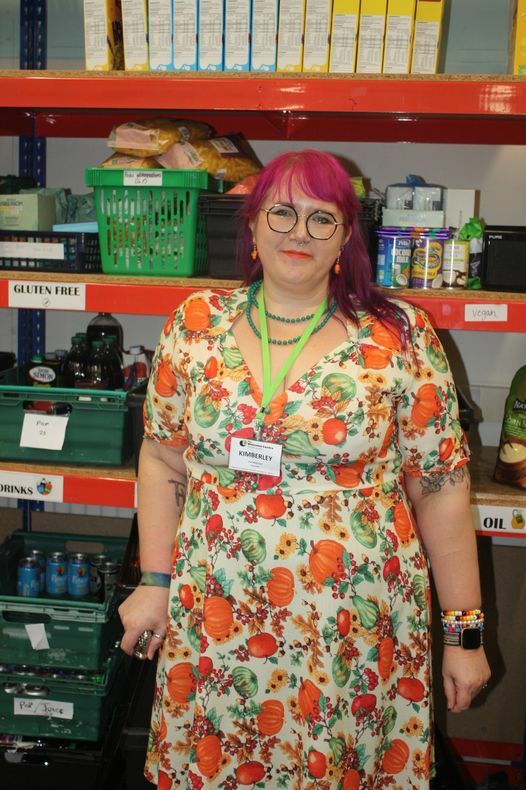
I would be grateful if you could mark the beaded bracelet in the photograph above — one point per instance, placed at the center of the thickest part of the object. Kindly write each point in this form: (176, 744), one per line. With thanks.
(152, 579)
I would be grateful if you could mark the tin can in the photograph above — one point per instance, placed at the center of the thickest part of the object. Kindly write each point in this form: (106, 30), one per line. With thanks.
(393, 264)
(56, 574)
(95, 579)
(78, 575)
(40, 557)
(12, 688)
(455, 264)
(426, 262)
(32, 690)
(109, 573)
(28, 580)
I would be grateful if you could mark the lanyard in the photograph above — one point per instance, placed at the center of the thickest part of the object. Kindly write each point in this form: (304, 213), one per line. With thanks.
(270, 386)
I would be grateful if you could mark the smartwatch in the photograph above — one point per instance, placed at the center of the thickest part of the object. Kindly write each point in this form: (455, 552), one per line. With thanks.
(468, 638)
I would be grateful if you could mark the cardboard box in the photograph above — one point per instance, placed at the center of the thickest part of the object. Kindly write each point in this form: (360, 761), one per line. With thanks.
(409, 218)
(237, 35)
(317, 31)
(103, 35)
(426, 42)
(264, 35)
(185, 35)
(344, 33)
(210, 35)
(160, 35)
(290, 35)
(135, 34)
(519, 51)
(371, 36)
(399, 36)
(27, 212)
(459, 206)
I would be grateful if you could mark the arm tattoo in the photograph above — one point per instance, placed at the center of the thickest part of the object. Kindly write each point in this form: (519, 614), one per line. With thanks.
(435, 483)
(180, 492)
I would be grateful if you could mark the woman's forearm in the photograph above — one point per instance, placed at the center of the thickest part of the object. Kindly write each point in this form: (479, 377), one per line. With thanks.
(161, 498)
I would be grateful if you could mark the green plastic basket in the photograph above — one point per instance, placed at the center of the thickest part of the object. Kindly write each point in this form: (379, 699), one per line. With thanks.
(149, 222)
(80, 633)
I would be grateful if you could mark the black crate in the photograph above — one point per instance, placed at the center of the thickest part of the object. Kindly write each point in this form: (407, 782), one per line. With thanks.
(71, 251)
(7, 360)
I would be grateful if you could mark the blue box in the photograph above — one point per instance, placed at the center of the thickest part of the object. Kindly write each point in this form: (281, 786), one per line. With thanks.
(237, 35)
(210, 35)
(264, 37)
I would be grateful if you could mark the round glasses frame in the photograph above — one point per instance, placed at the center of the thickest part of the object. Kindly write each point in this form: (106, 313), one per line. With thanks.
(268, 211)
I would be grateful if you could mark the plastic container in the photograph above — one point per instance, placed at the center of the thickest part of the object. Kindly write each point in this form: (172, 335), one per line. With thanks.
(222, 224)
(79, 633)
(99, 429)
(105, 325)
(49, 251)
(149, 222)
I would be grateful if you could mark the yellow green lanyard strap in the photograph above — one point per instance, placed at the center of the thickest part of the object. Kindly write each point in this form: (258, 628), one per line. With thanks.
(270, 386)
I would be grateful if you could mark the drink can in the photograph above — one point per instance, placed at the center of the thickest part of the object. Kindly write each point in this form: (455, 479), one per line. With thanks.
(426, 262)
(455, 264)
(109, 573)
(12, 688)
(78, 575)
(95, 579)
(32, 690)
(394, 260)
(28, 580)
(40, 557)
(56, 574)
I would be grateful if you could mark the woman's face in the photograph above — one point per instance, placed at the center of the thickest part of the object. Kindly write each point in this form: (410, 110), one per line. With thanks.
(295, 257)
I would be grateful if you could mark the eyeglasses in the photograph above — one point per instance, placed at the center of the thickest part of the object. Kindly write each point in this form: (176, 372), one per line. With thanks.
(320, 225)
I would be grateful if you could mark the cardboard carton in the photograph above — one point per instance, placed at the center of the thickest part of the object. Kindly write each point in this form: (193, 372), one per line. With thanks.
(399, 36)
(371, 36)
(103, 35)
(426, 42)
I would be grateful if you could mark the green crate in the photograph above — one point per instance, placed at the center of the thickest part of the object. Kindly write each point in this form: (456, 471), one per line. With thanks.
(76, 706)
(80, 633)
(100, 428)
(149, 223)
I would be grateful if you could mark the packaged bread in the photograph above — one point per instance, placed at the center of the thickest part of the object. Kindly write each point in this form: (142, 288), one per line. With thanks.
(229, 157)
(153, 136)
(124, 161)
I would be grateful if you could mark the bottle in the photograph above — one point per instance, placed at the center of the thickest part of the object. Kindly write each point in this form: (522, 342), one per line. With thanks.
(112, 359)
(136, 367)
(40, 373)
(105, 325)
(61, 354)
(98, 374)
(75, 364)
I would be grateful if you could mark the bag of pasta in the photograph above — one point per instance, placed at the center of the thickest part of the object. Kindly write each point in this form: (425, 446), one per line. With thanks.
(126, 162)
(229, 158)
(153, 136)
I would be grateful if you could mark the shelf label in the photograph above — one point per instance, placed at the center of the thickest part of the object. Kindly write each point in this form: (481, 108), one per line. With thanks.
(40, 295)
(485, 312)
(25, 706)
(143, 178)
(494, 520)
(26, 485)
(32, 249)
(45, 431)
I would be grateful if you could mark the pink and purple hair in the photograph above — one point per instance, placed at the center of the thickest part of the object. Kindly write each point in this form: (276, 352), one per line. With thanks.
(319, 175)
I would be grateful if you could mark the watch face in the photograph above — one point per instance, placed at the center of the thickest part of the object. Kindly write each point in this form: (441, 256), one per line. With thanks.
(471, 638)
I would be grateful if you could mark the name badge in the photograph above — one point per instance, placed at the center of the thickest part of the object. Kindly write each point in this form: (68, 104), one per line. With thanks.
(250, 455)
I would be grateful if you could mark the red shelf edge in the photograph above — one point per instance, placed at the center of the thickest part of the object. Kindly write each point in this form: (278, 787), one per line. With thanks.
(100, 491)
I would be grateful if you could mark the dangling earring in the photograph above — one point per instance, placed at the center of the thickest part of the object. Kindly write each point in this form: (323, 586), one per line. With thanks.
(337, 266)
(254, 253)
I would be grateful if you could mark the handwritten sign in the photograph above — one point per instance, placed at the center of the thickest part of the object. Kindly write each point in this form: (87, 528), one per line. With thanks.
(485, 312)
(36, 294)
(26, 485)
(24, 706)
(45, 431)
(143, 178)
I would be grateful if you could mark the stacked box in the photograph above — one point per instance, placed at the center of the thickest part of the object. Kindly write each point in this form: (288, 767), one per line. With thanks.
(103, 35)
(290, 35)
(317, 31)
(344, 33)
(185, 35)
(426, 43)
(371, 36)
(237, 35)
(135, 34)
(210, 35)
(264, 35)
(398, 36)
(519, 50)
(160, 35)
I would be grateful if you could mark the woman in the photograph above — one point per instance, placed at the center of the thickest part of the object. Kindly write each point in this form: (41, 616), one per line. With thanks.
(293, 428)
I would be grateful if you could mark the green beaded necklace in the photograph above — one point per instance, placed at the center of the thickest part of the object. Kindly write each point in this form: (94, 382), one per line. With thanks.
(251, 302)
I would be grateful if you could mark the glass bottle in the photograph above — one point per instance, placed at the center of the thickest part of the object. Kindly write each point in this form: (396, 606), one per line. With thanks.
(105, 325)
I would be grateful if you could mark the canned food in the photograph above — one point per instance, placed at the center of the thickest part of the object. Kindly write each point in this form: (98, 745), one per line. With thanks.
(28, 580)
(426, 262)
(455, 264)
(40, 557)
(57, 574)
(95, 579)
(394, 260)
(12, 688)
(78, 575)
(31, 690)
(109, 573)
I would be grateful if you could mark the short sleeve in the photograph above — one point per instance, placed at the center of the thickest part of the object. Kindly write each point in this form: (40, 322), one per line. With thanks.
(430, 436)
(165, 403)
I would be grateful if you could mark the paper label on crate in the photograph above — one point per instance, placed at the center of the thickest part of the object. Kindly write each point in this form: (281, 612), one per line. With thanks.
(142, 178)
(25, 485)
(32, 249)
(498, 520)
(36, 633)
(485, 312)
(50, 708)
(45, 431)
(47, 295)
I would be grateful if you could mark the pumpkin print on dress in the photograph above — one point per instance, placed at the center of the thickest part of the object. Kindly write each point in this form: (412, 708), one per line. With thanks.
(296, 650)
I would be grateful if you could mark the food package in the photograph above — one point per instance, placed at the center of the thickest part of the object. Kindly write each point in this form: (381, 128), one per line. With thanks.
(124, 161)
(229, 157)
(245, 186)
(153, 136)
(511, 458)
(473, 231)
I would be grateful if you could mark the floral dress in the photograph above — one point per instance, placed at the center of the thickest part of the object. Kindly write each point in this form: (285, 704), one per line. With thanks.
(297, 647)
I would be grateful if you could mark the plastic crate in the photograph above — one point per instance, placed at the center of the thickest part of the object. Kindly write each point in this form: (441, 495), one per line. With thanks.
(220, 213)
(49, 251)
(76, 706)
(99, 429)
(7, 360)
(149, 222)
(80, 633)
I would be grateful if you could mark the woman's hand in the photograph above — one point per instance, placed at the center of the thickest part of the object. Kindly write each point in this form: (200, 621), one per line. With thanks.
(465, 673)
(146, 609)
